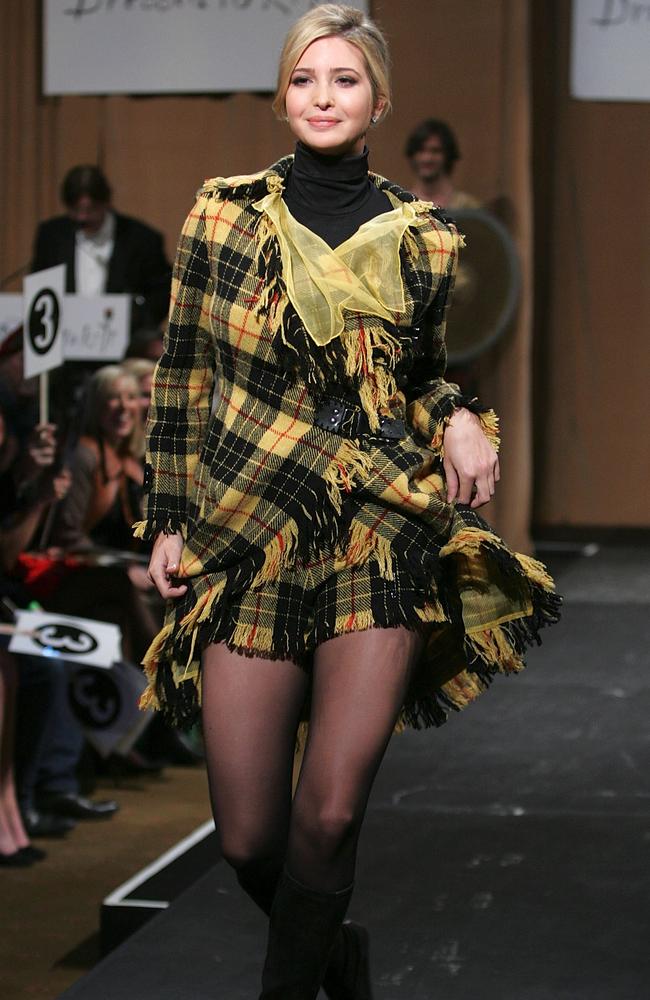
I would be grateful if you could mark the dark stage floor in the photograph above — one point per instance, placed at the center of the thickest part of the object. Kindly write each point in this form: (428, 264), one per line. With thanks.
(505, 856)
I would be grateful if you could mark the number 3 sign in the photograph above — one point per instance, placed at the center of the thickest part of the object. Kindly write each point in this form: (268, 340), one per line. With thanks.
(43, 306)
(77, 640)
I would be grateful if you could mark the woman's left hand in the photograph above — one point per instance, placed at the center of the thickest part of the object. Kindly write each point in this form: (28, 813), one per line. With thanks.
(470, 462)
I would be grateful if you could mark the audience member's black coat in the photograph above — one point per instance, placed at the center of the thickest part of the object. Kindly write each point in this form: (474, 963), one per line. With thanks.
(137, 266)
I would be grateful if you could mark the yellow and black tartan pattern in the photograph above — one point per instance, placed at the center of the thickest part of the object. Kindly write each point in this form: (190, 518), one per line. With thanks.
(261, 493)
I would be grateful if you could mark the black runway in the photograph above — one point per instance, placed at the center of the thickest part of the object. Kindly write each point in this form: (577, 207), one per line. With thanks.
(504, 856)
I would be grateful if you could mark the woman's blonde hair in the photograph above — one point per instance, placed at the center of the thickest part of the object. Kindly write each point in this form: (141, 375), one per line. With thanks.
(138, 367)
(345, 22)
(98, 391)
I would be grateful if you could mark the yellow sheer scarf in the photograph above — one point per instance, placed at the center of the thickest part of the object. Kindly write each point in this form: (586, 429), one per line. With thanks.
(362, 275)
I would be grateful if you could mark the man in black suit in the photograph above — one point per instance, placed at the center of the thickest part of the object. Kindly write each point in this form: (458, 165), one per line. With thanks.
(105, 251)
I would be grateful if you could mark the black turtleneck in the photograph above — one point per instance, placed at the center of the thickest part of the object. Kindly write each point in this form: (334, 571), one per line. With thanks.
(332, 195)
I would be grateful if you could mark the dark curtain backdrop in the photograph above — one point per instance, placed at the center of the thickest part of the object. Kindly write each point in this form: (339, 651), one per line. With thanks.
(465, 61)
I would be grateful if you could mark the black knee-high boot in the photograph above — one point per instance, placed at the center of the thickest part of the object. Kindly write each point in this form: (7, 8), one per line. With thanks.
(303, 926)
(348, 971)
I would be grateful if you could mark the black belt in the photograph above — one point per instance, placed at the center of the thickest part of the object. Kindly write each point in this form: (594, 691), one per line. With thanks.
(348, 419)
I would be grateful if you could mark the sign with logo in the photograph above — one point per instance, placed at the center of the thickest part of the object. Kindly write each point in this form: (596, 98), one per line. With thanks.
(42, 315)
(97, 328)
(76, 640)
(106, 704)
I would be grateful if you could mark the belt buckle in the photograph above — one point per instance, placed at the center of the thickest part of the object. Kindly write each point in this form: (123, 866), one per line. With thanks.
(329, 416)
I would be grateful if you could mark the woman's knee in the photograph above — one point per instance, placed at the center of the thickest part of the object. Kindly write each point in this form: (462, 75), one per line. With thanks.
(324, 830)
(242, 851)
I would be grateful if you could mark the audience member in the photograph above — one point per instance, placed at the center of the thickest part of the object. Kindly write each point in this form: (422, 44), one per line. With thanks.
(432, 151)
(18, 395)
(142, 369)
(104, 250)
(48, 739)
(102, 505)
(28, 486)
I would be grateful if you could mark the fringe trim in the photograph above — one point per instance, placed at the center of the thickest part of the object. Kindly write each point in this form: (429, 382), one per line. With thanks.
(240, 639)
(535, 571)
(432, 611)
(151, 527)
(470, 541)
(350, 464)
(279, 554)
(489, 424)
(320, 534)
(464, 688)
(202, 610)
(487, 652)
(149, 697)
(363, 544)
(492, 647)
(490, 651)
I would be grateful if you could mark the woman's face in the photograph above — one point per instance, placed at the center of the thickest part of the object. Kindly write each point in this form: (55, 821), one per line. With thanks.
(329, 99)
(120, 410)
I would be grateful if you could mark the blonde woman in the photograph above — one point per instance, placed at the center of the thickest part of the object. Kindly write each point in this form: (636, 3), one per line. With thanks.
(312, 491)
(142, 369)
(104, 499)
(107, 464)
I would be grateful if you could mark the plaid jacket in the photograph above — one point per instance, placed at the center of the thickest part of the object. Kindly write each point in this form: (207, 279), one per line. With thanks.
(235, 461)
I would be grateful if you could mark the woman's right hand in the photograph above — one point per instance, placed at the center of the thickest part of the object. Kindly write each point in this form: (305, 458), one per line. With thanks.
(164, 563)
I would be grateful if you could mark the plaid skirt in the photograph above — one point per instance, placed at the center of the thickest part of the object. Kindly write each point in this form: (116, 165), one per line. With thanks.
(447, 594)
(312, 602)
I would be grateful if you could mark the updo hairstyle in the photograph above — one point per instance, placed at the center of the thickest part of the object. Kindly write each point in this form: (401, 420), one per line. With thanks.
(333, 19)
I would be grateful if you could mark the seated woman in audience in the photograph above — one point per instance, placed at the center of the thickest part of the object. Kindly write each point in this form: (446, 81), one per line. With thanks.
(29, 484)
(142, 369)
(107, 471)
(102, 504)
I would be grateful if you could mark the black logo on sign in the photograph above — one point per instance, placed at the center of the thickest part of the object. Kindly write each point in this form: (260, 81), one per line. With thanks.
(95, 698)
(65, 639)
(43, 323)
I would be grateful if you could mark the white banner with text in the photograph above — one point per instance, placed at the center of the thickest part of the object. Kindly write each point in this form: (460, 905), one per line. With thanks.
(610, 50)
(166, 46)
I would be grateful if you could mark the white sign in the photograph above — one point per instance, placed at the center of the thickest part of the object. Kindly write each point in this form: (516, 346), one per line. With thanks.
(11, 314)
(76, 640)
(610, 50)
(165, 46)
(96, 329)
(42, 315)
(106, 704)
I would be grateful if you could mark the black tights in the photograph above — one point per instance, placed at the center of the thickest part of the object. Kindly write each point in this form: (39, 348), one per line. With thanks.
(251, 709)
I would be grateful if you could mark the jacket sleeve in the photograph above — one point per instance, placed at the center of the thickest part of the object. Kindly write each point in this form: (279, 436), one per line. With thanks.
(181, 394)
(431, 400)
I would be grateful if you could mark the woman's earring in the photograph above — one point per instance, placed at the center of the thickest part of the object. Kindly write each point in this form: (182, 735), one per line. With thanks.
(374, 119)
